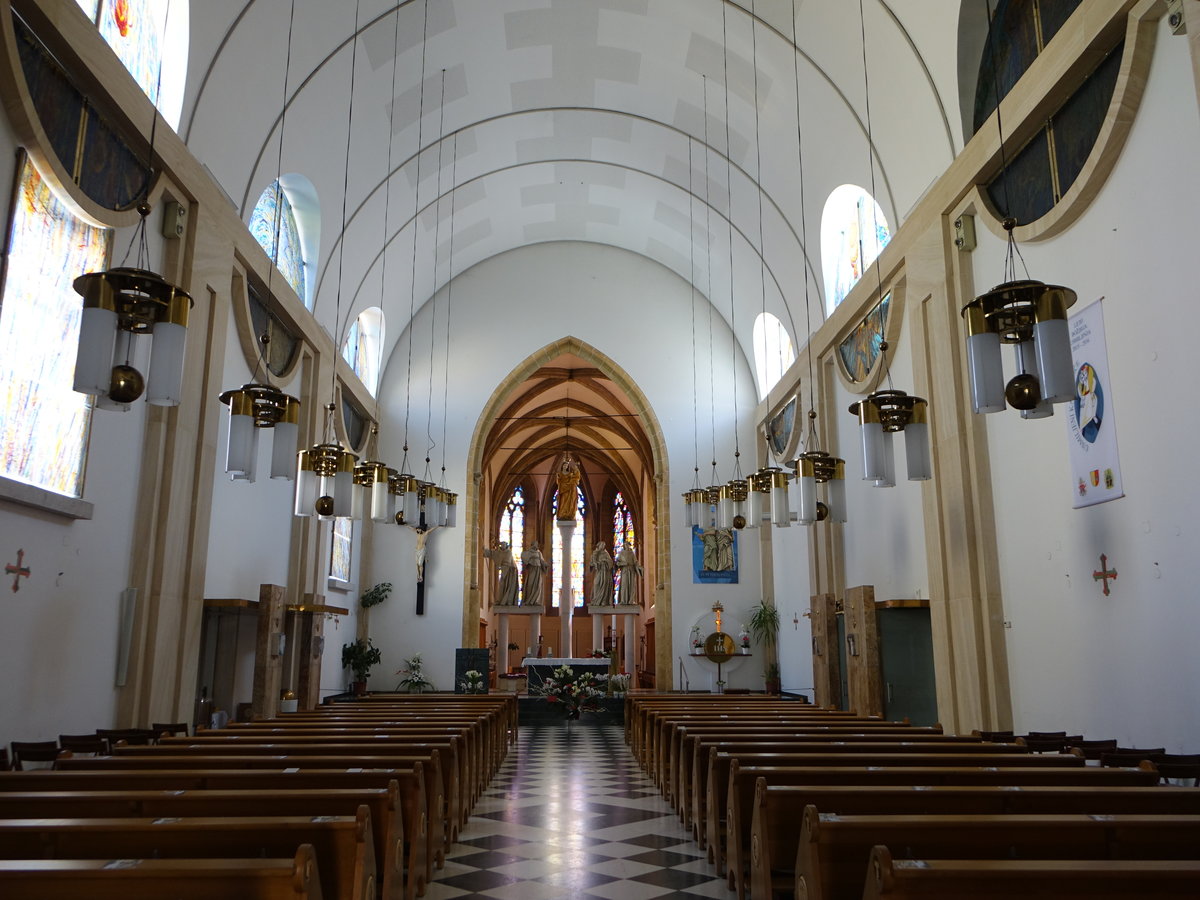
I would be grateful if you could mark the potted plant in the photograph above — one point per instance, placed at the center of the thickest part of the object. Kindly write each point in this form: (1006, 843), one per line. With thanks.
(359, 657)
(512, 645)
(472, 682)
(412, 679)
(375, 595)
(764, 625)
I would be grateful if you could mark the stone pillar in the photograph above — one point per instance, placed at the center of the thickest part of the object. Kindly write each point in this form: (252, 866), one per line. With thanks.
(597, 631)
(502, 646)
(310, 647)
(566, 603)
(630, 645)
(268, 661)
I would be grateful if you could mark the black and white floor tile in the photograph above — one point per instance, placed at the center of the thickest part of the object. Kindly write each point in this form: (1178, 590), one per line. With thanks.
(571, 816)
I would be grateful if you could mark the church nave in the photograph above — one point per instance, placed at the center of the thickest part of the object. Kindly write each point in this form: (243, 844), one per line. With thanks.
(571, 815)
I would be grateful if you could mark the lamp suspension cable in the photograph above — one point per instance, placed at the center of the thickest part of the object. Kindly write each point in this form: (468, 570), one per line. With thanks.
(407, 484)
(449, 498)
(325, 473)
(694, 498)
(123, 302)
(731, 510)
(885, 411)
(437, 246)
(714, 486)
(1028, 314)
(259, 404)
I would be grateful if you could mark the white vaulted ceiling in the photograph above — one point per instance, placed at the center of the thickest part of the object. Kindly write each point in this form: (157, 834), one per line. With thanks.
(573, 120)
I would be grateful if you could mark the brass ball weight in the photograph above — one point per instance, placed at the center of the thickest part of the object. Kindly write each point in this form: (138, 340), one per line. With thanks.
(1023, 392)
(822, 511)
(739, 521)
(126, 384)
(324, 505)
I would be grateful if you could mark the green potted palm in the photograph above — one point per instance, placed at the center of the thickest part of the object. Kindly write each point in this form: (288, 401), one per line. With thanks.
(359, 657)
(764, 626)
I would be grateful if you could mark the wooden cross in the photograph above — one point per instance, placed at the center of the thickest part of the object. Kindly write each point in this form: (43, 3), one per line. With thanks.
(1104, 574)
(17, 571)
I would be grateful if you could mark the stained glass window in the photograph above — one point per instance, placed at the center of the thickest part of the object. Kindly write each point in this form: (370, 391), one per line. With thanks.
(89, 7)
(275, 206)
(364, 347)
(577, 558)
(622, 534)
(773, 351)
(339, 554)
(512, 523)
(43, 422)
(853, 233)
(150, 37)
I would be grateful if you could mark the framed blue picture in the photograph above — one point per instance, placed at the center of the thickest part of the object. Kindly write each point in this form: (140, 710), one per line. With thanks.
(714, 556)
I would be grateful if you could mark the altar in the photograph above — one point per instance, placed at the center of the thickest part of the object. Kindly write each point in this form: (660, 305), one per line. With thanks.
(538, 670)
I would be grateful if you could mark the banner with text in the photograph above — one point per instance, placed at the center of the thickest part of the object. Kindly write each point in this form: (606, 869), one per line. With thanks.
(1091, 424)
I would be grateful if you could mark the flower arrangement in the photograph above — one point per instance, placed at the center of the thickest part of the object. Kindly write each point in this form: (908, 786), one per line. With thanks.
(472, 682)
(577, 693)
(745, 636)
(619, 684)
(697, 641)
(414, 680)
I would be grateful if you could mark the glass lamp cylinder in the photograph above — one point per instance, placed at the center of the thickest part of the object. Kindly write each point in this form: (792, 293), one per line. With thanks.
(164, 385)
(451, 518)
(872, 439)
(916, 443)
(306, 485)
(806, 481)
(754, 507)
(725, 507)
(343, 487)
(984, 363)
(379, 493)
(1052, 339)
(284, 437)
(241, 434)
(781, 514)
(887, 478)
(97, 333)
(1027, 361)
(837, 493)
(411, 505)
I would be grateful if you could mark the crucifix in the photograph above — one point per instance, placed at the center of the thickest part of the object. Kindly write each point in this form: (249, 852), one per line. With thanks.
(17, 571)
(1104, 574)
(422, 531)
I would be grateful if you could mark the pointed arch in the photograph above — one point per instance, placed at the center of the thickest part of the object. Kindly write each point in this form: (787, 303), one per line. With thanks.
(660, 515)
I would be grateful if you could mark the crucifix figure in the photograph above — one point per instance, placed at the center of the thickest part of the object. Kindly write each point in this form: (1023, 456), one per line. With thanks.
(422, 536)
(17, 571)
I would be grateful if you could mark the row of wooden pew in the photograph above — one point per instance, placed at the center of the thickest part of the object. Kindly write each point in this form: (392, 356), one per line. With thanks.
(356, 801)
(790, 800)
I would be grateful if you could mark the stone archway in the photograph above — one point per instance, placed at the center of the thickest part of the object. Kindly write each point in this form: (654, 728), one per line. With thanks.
(657, 520)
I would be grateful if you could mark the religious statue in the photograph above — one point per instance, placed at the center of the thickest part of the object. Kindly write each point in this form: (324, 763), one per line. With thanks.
(718, 549)
(506, 567)
(568, 481)
(535, 566)
(602, 580)
(419, 552)
(630, 571)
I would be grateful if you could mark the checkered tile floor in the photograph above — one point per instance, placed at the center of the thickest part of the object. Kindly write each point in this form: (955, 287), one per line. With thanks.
(571, 815)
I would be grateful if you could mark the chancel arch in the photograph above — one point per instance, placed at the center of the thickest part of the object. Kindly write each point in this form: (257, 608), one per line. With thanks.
(569, 402)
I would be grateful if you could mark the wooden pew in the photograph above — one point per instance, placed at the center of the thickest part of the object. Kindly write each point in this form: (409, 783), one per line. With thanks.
(344, 846)
(991, 879)
(387, 822)
(295, 878)
(431, 770)
(695, 747)
(775, 824)
(734, 834)
(834, 850)
(450, 766)
(411, 784)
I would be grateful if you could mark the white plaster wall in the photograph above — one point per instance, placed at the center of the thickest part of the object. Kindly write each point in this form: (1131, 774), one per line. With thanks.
(1123, 666)
(632, 310)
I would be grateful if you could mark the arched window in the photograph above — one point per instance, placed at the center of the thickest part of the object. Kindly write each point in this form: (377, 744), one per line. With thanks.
(773, 351)
(339, 553)
(622, 525)
(853, 232)
(150, 37)
(278, 224)
(43, 422)
(578, 563)
(512, 523)
(364, 347)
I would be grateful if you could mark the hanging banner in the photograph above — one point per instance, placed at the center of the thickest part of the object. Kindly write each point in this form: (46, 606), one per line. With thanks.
(1091, 424)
